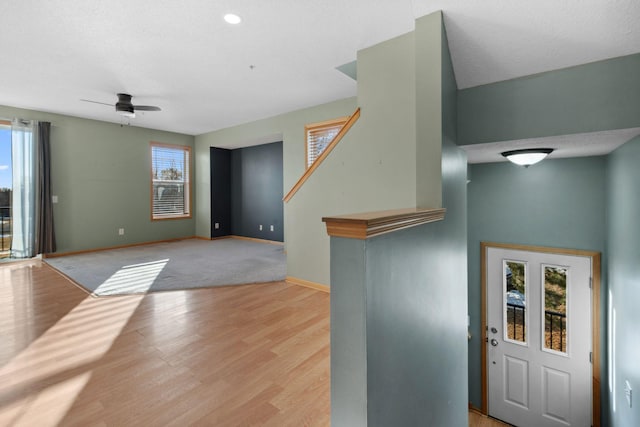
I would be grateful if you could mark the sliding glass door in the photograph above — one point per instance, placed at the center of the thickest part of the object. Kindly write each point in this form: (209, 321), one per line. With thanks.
(5, 189)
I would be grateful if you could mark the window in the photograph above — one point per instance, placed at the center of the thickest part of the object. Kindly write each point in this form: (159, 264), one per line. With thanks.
(170, 181)
(319, 135)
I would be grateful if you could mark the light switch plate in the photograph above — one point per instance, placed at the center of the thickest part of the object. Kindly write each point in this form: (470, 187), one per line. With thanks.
(54, 199)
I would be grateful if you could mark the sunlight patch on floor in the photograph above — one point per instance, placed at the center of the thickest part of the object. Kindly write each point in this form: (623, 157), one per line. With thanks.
(135, 278)
(41, 383)
(46, 407)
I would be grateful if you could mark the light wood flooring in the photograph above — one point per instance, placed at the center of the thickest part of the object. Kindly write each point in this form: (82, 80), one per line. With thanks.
(229, 356)
(478, 420)
(255, 355)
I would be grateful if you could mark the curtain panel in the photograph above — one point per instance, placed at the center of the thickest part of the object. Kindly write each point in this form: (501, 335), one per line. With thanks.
(45, 235)
(23, 200)
(31, 205)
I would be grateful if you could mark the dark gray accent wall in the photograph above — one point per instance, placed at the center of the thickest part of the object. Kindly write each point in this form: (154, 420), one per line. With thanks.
(220, 192)
(624, 281)
(599, 96)
(246, 192)
(556, 203)
(256, 192)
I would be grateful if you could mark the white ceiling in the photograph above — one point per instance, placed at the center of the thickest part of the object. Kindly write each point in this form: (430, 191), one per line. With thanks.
(184, 58)
(575, 145)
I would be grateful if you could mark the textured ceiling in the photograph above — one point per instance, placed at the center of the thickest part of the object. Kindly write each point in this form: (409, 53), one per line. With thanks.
(184, 58)
(575, 145)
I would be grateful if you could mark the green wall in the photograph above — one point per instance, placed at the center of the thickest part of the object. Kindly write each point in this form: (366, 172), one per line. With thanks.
(429, 114)
(417, 323)
(598, 96)
(623, 249)
(361, 174)
(556, 203)
(398, 301)
(101, 174)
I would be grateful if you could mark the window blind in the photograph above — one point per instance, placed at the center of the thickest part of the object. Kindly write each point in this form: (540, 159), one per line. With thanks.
(319, 136)
(170, 181)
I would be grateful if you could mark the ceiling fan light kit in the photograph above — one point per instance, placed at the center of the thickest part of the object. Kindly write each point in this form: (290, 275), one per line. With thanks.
(124, 107)
(528, 156)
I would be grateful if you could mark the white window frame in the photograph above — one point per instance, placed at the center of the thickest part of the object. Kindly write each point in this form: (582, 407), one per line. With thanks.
(184, 182)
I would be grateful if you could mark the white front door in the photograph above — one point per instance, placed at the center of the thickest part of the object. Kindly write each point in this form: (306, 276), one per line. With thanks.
(539, 338)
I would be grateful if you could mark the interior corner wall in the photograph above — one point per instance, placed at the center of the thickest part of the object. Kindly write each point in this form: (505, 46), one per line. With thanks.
(256, 192)
(623, 249)
(101, 173)
(593, 97)
(416, 326)
(555, 203)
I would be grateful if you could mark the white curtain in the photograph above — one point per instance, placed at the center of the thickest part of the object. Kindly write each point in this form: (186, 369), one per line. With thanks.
(23, 203)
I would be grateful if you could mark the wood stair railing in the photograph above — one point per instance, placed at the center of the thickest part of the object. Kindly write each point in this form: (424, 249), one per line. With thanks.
(354, 118)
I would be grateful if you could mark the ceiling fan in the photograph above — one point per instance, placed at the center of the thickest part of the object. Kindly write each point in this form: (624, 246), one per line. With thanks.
(124, 106)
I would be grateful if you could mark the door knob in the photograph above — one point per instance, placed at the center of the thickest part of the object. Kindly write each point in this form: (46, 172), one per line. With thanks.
(494, 330)
(494, 342)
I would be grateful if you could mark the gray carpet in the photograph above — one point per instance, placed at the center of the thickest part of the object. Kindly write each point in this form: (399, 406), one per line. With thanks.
(184, 264)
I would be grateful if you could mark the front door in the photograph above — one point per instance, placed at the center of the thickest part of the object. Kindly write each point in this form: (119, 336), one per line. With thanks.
(539, 337)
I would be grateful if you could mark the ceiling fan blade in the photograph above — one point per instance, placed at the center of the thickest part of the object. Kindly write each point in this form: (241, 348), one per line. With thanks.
(146, 108)
(97, 102)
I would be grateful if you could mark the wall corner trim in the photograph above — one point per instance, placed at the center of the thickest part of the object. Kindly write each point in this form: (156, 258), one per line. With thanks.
(364, 225)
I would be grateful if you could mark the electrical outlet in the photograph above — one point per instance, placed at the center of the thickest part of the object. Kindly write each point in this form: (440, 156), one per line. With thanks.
(216, 225)
(627, 392)
(121, 231)
(271, 228)
(260, 227)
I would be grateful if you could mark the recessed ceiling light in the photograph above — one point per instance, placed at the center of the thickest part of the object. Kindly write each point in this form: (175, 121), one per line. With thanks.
(232, 18)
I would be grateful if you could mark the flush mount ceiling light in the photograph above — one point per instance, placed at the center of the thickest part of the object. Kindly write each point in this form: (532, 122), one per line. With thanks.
(527, 157)
(232, 18)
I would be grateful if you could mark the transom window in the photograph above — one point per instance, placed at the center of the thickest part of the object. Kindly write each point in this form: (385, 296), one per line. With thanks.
(319, 136)
(170, 181)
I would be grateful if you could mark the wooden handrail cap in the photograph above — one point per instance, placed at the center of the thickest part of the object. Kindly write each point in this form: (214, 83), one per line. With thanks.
(369, 224)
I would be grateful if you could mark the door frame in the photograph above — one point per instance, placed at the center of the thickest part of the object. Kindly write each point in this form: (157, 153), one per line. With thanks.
(595, 316)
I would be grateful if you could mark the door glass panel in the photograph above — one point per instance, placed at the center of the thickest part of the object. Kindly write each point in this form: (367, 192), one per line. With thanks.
(555, 308)
(515, 301)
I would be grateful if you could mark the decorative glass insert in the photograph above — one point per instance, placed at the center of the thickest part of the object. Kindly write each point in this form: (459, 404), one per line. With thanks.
(515, 301)
(555, 308)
